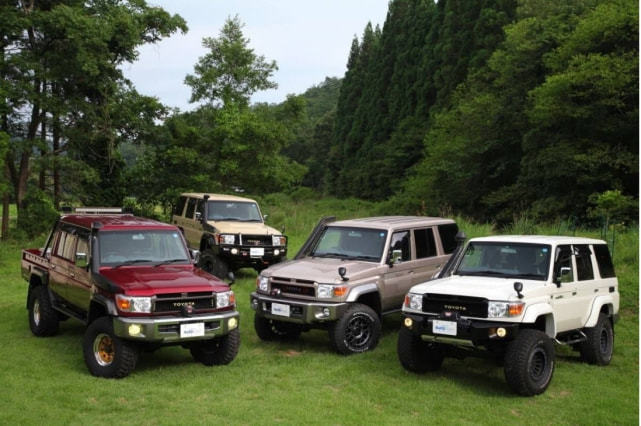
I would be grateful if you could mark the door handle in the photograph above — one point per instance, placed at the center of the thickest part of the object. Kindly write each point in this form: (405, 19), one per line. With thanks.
(53, 266)
(72, 274)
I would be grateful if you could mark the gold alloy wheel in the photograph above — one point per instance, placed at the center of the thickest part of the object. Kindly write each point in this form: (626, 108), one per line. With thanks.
(103, 349)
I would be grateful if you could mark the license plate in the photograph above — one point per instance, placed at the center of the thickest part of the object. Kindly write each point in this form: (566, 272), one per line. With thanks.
(195, 329)
(280, 309)
(256, 252)
(444, 327)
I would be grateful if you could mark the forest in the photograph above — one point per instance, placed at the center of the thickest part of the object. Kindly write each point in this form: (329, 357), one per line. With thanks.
(495, 110)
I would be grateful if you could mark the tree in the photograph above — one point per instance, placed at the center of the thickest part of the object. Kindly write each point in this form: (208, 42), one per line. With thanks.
(60, 65)
(230, 72)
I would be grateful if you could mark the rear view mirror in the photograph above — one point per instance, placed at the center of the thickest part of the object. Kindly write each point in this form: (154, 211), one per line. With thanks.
(82, 260)
(396, 257)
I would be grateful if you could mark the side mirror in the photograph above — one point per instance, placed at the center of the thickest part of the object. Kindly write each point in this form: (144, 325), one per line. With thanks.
(564, 275)
(396, 257)
(265, 216)
(82, 260)
(195, 255)
(231, 277)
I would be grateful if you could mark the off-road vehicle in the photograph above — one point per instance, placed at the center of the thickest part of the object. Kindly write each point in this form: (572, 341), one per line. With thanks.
(229, 231)
(512, 298)
(133, 282)
(347, 275)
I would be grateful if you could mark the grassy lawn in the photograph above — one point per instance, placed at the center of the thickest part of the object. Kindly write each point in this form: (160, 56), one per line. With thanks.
(44, 380)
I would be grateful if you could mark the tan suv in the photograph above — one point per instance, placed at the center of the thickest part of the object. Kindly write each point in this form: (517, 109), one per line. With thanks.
(229, 231)
(347, 275)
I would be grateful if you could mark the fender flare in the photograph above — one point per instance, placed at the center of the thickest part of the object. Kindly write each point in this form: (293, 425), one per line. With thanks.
(42, 275)
(357, 292)
(533, 312)
(105, 302)
(597, 304)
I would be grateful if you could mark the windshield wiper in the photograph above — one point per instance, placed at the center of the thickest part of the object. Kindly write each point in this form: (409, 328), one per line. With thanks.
(484, 273)
(363, 257)
(165, 262)
(330, 254)
(131, 262)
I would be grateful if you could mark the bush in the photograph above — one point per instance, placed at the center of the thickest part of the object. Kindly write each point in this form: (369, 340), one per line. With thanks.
(38, 213)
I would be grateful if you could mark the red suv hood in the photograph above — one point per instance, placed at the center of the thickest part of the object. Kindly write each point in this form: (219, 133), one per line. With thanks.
(150, 280)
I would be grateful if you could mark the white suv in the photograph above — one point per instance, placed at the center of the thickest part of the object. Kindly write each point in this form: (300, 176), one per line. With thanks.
(513, 297)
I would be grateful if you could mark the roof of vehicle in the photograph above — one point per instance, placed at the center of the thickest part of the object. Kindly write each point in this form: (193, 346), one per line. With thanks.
(114, 221)
(216, 197)
(392, 222)
(539, 239)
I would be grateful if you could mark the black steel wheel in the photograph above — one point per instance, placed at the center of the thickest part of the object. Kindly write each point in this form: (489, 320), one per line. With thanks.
(416, 355)
(598, 347)
(529, 362)
(213, 264)
(358, 330)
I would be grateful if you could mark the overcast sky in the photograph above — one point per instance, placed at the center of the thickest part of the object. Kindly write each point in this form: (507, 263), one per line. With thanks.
(309, 40)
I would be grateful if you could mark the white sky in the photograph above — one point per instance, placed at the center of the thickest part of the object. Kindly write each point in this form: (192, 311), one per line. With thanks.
(309, 40)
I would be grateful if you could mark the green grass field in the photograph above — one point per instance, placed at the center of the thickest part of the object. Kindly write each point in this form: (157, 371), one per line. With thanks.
(45, 381)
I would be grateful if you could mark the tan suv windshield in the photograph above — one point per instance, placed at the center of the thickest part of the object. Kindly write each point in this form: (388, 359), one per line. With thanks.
(233, 210)
(354, 243)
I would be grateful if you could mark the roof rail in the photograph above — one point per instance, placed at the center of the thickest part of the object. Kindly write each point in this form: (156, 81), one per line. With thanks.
(98, 210)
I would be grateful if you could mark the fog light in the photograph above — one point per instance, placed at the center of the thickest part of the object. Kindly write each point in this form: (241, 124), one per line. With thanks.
(234, 251)
(254, 304)
(501, 332)
(408, 322)
(276, 252)
(326, 312)
(232, 323)
(134, 329)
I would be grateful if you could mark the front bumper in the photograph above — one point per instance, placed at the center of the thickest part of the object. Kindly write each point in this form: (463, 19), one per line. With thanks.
(168, 329)
(246, 255)
(301, 312)
(469, 332)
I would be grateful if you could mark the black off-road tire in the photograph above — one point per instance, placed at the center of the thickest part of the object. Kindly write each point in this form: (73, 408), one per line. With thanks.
(416, 355)
(213, 264)
(218, 351)
(358, 330)
(43, 319)
(268, 329)
(107, 355)
(598, 347)
(529, 362)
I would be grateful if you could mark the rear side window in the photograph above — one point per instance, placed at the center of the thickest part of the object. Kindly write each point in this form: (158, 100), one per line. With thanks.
(448, 233)
(425, 245)
(180, 206)
(191, 207)
(604, 261)
(583, 257)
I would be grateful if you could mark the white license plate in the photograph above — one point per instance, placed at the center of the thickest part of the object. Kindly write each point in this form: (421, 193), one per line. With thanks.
(195, 329)
(256, 252)
(444, 327)
(280, 309)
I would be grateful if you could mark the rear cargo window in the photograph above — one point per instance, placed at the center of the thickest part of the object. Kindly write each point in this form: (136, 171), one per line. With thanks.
(448, 233)
(191, 207)
(604, 261)
(180, 206)
(425, 245)
(583, 263)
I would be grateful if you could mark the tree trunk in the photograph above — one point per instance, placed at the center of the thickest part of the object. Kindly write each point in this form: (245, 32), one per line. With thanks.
(54, 159)
(5, 216)
(42, 177)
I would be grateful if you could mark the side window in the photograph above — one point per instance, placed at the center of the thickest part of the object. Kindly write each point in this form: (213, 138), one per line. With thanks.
(563, 265)
(583, 257)
(604, 261)
(424, 241)
(401, 241)
(180, 206)
(191, 207)
(62, 236)
(448, 232)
